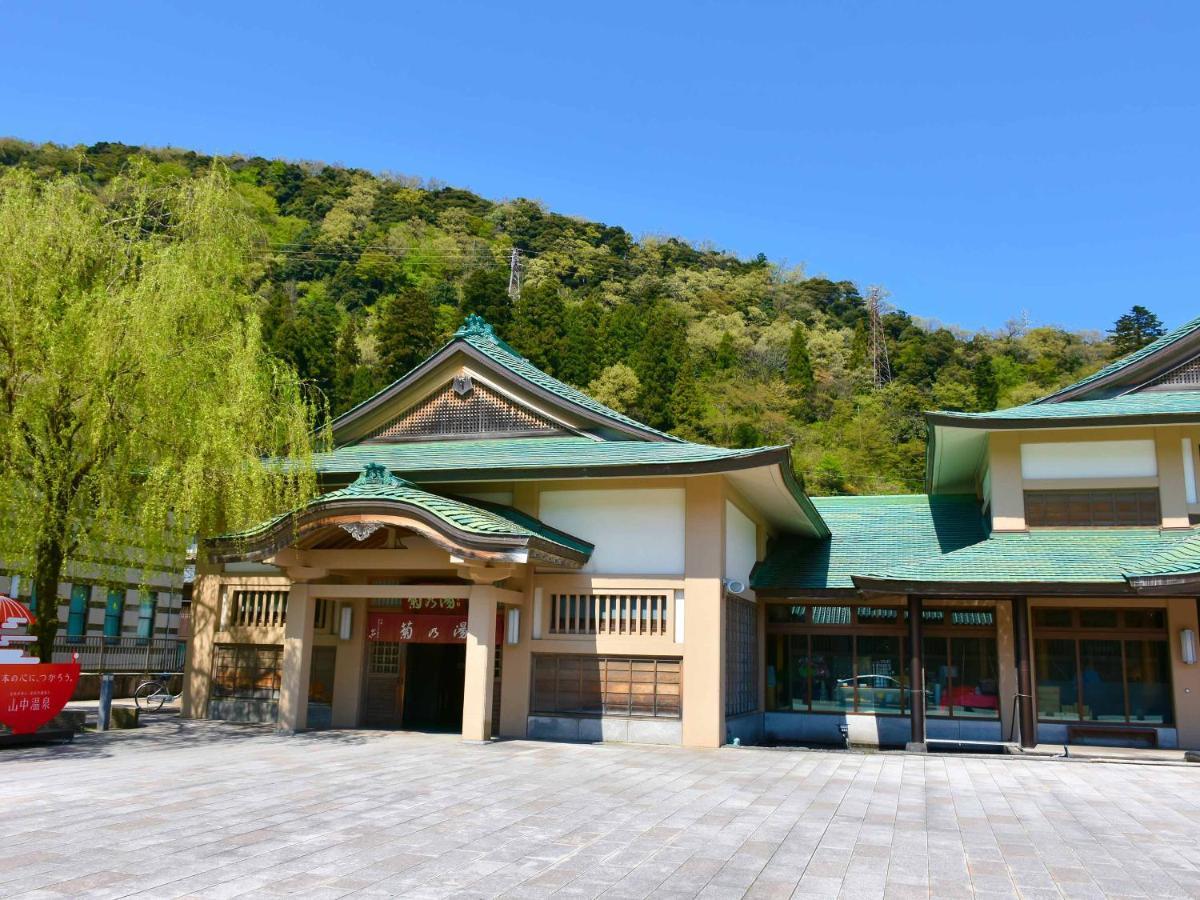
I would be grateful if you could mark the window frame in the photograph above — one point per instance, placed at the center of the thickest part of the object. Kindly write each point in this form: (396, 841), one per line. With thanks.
(857, 627)
(1123, 633)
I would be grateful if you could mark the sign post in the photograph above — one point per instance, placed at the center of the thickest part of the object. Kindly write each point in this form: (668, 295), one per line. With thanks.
(31, 692)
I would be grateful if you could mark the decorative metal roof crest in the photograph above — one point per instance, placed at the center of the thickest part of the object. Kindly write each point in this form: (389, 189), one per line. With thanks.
(477, 326)
(377, 474)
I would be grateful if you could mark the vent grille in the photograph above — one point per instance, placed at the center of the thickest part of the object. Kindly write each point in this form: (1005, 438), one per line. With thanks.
(1187, 375)
(463, 408)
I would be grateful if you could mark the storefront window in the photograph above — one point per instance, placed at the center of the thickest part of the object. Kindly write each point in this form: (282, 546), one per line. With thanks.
(1103, 686)
(831, 664)
(1086, 675)
(880, 681)
(975, 672)
(1056, 676)
(937, 676)
(1148, 673)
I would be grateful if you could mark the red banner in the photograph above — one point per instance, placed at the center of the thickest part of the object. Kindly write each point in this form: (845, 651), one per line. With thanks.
(33, 694)
(406, 628)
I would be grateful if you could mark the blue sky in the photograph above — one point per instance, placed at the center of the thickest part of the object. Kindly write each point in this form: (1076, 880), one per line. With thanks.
(976, 159)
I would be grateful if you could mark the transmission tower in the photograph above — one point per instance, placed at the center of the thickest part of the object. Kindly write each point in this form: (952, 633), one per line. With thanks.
(881, 369)
(514, 274)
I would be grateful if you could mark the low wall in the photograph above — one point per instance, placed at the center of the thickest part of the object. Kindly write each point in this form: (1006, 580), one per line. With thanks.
(246, 712)
(605, 728)
(872, 731)
(747, 728)
(88, 687)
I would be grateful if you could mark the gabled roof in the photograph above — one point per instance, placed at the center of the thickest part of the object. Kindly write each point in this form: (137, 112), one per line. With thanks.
(1146, 408)
(1075, 560)
(454, 523)
(868, 532)
(477, 340)
(763, 474)
(1133, 370)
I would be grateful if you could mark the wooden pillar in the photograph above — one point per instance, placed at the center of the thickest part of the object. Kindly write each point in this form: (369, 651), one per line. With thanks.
(481, 642)
(916, 673)
(1024, 672)
(297, 660)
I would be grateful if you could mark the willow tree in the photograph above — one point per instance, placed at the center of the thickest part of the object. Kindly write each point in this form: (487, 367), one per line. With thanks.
(137, 402)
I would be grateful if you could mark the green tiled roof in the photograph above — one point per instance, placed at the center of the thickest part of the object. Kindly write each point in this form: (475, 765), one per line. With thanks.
(1078, 555)
(1125, 361)
(1177, 558)
(377, 484)
(1180, 404)
(480, 335)
(868, 532)
(439, 460)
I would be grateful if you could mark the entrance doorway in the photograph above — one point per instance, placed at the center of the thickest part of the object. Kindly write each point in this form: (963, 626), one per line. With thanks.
(433, 687)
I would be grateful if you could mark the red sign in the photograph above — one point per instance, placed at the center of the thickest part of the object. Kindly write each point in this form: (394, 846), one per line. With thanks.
(33, 694)
(424, 628)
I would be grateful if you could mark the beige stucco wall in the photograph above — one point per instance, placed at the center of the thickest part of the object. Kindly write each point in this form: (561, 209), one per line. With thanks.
(1007, 486)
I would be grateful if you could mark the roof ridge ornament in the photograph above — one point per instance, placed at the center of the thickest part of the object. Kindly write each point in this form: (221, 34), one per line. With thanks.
(377, 474)
(476, 325)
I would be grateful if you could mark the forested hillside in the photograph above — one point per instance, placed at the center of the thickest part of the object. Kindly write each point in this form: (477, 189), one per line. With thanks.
(361, 275)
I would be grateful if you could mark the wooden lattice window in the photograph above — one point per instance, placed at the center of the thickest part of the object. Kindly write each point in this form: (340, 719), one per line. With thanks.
(257, 609)
(1115, 507)
(741, 656)
(460, 409)
(1185, 376)
(247, 671)
(570, 684)
(635, 614)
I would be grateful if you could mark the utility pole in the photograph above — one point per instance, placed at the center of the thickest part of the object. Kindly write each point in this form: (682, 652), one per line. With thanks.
(881, 369)
(514, 275)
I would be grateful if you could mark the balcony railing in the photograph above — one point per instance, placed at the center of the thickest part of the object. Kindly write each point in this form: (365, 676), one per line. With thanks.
(121, 655)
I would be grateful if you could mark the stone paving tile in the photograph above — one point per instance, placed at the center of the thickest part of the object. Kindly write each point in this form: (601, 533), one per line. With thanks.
(241, 812)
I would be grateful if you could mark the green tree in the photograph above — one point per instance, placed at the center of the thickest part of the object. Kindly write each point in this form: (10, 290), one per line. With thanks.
(799, 369)
(485, 293)
(136, 397)
(1135, 330)
(352, 380)
(617, 387)
(537, 327)
(405, 331)
(987, 387)
(726, 357)
(659, 362)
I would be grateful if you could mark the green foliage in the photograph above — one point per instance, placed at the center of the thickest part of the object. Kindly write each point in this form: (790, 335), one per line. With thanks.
(136, 396)
(1135, 330)
(405, 332)
(358, 276)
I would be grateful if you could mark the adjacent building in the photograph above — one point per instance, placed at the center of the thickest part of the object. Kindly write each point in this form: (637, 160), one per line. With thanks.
(496, 553)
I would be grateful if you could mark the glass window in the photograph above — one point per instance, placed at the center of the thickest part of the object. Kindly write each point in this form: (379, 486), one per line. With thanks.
(1146, 618)
(247, 671)
(1057, 694)
(77, 614)
(1148, 671)
(884, 615)
(114, 606)
(937, 675)
(974, 671)
(1103, 684)
(880, 674)
(147, 607)
(1099, 618)
(1052, 618)
(830, 664)
(795, 615)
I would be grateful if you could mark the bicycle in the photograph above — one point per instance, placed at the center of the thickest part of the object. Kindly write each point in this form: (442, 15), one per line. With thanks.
(151, 696)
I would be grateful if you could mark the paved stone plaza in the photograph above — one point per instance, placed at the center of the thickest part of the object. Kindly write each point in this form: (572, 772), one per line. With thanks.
(209, 810)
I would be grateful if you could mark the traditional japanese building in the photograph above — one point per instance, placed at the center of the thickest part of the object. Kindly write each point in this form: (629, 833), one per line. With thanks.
(497, 553)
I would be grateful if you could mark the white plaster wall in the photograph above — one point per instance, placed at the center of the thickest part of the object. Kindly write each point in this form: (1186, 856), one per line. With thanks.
(741, 544)
(636, 532)
(1089, 459)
